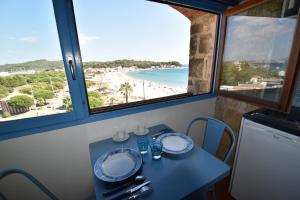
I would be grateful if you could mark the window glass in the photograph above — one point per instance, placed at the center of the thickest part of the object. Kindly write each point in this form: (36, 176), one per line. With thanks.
(32, 76)
(296, 97)
(257, 48)
(133, 50)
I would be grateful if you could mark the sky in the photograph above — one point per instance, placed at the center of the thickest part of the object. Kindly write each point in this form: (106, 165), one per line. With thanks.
(258, 38)
(107, 30)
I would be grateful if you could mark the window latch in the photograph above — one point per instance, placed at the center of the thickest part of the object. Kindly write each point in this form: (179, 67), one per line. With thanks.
(71, 68)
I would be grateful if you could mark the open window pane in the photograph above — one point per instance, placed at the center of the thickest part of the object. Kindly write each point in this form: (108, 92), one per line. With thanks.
(32, 75)
(257, 48)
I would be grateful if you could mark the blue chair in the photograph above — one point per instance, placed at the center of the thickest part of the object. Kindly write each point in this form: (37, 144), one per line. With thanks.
(213, 134)
(214, 131)
(6, 172)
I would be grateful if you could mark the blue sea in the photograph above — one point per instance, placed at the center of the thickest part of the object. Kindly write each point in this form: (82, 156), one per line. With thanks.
(172, 77)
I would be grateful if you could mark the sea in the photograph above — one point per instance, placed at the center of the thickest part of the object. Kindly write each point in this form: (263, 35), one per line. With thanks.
(169, 76)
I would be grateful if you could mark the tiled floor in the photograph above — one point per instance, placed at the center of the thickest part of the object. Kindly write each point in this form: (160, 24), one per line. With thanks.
(222, 189)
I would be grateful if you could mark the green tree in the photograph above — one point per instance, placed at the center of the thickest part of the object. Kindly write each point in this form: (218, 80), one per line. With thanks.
(3, 92)
(21, 101)
(126, 89)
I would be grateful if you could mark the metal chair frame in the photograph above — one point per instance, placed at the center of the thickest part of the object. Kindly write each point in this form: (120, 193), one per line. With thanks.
(6, 172)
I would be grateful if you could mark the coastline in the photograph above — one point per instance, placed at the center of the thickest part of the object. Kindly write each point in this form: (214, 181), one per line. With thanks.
(106, 82)
(141, 89)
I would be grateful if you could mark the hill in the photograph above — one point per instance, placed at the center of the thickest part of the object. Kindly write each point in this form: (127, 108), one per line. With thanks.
(38, 65)
(42, 65)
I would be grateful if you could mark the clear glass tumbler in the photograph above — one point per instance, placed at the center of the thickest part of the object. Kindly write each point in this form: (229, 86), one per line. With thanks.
(142, 143)
(156, 149)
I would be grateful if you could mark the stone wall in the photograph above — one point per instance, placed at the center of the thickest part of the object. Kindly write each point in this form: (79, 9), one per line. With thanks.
(230, 111)
(271, 8)
(202, 44)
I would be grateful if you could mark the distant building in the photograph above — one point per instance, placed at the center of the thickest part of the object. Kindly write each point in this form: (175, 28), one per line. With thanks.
(255, 79)
(2, 74)
(281, 73)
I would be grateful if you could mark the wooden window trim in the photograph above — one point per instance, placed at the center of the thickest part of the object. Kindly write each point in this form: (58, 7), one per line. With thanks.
(291, 72)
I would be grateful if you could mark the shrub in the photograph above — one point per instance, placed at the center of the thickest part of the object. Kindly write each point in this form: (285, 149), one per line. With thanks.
(89, 83)
(68, 103)
(43, 80)
(10, 89)
(57, 79)
(40, 102)
(21, 101)
(13, 81)
(3, 91)
(94, 94)
(5, 114)
(58, 85)
(43, 94)
(44, 86)
(25, 90)
(95, 102)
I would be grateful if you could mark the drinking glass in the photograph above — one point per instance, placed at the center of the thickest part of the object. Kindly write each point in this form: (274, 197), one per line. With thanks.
(156, 149)
(142, 143)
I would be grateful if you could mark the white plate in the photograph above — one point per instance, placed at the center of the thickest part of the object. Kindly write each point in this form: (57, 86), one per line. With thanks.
(117, 165)
(176, 143)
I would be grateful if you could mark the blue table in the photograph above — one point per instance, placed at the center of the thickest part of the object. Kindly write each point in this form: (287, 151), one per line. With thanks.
(171, 177)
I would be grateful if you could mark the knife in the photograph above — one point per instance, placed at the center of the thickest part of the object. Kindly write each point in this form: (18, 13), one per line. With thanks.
(144, 191)
(160, 132)
(130, 191)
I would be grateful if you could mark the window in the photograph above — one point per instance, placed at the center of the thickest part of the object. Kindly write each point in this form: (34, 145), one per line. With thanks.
(256, 54)
(296, 96)
(33, 81)
(136, 52)
(132, 52)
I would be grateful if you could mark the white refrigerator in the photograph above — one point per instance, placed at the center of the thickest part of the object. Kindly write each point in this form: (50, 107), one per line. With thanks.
(267, 164)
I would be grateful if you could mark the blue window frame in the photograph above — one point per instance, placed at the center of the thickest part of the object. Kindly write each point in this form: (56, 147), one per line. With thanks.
(64, 15)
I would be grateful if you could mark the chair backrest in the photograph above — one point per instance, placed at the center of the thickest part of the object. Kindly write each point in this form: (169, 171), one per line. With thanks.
(213, 134)
(6, 172)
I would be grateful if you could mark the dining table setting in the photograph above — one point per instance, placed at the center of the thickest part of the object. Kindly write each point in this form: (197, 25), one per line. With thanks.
(153, 163)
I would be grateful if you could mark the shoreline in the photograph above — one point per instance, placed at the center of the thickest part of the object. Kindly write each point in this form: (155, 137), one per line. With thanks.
(107, 82)
(141, 89)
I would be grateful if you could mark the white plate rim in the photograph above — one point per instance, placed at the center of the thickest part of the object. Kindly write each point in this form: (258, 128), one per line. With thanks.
(189, 146)
(102, 176)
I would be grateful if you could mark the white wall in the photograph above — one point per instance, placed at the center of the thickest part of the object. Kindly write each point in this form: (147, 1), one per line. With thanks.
(60, 158)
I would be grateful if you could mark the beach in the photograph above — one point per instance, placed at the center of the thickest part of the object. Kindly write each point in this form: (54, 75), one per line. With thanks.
(106, 82)
(141, 89)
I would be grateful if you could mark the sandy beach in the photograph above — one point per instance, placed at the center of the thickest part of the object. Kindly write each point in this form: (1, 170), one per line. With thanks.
(107, 82)
(141, 89)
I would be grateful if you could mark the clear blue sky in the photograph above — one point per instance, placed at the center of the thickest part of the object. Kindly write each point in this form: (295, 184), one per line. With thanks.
(108, 30)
